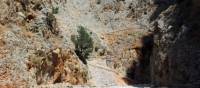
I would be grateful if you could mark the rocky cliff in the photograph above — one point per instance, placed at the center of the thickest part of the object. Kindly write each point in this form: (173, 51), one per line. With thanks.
(176, 50)
(175, 56)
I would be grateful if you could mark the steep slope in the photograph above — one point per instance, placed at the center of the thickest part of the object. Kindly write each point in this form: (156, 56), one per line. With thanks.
(33, 50)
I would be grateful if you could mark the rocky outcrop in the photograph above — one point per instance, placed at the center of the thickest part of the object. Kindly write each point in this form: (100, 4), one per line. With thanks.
(174, 26)
(175, 57)
(57, 66)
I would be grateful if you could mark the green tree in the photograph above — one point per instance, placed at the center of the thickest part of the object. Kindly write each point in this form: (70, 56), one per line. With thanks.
(83, 44)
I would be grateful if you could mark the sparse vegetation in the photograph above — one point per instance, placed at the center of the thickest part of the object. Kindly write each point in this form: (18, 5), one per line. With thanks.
(38, 6)
(83, 44)
(55, 10)
(52, 24)
(98, 1)
(46, 27)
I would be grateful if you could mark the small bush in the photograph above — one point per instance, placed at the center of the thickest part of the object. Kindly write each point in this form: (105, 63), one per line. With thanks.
(83, 44)
(52, 23)
(98, 1)
(55, 10)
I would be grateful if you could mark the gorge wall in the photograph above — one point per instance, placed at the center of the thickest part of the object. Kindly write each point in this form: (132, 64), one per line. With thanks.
(175, 56)
(174, 25)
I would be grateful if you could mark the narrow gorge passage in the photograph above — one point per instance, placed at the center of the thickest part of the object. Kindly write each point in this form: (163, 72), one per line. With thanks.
(99, 43)
(110, 70)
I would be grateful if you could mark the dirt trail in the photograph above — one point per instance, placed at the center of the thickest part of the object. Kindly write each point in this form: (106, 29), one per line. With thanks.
(102, 75)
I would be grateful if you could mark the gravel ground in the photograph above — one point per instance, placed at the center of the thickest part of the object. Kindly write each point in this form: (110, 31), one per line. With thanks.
(101, 75)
